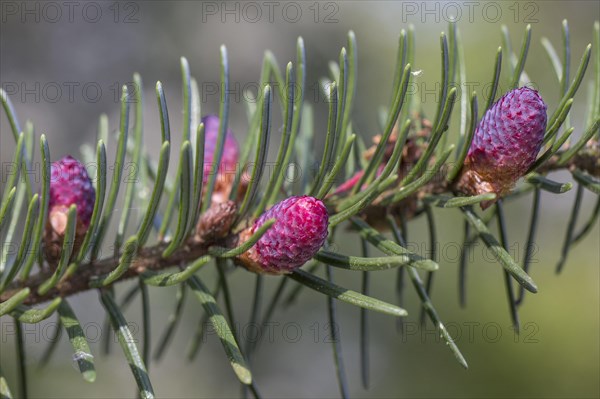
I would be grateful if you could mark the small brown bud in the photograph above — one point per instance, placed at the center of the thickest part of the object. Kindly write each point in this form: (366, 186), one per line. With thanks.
(216, 222)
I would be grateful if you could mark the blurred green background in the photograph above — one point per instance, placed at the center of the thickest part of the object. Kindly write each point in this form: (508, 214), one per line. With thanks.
(62, 65)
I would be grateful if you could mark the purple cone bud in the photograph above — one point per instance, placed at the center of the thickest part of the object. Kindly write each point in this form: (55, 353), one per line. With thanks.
(507, 140)
(299, 232)
(70, 184)
(231, 150)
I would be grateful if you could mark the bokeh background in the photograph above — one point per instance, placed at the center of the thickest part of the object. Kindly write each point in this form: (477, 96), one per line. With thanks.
(62, 65)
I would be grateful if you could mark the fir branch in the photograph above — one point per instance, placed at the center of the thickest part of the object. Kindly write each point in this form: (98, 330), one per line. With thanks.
(403, 175)
(150, 258)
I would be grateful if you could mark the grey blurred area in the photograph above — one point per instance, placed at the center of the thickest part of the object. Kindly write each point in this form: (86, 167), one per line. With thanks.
(63, 63)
